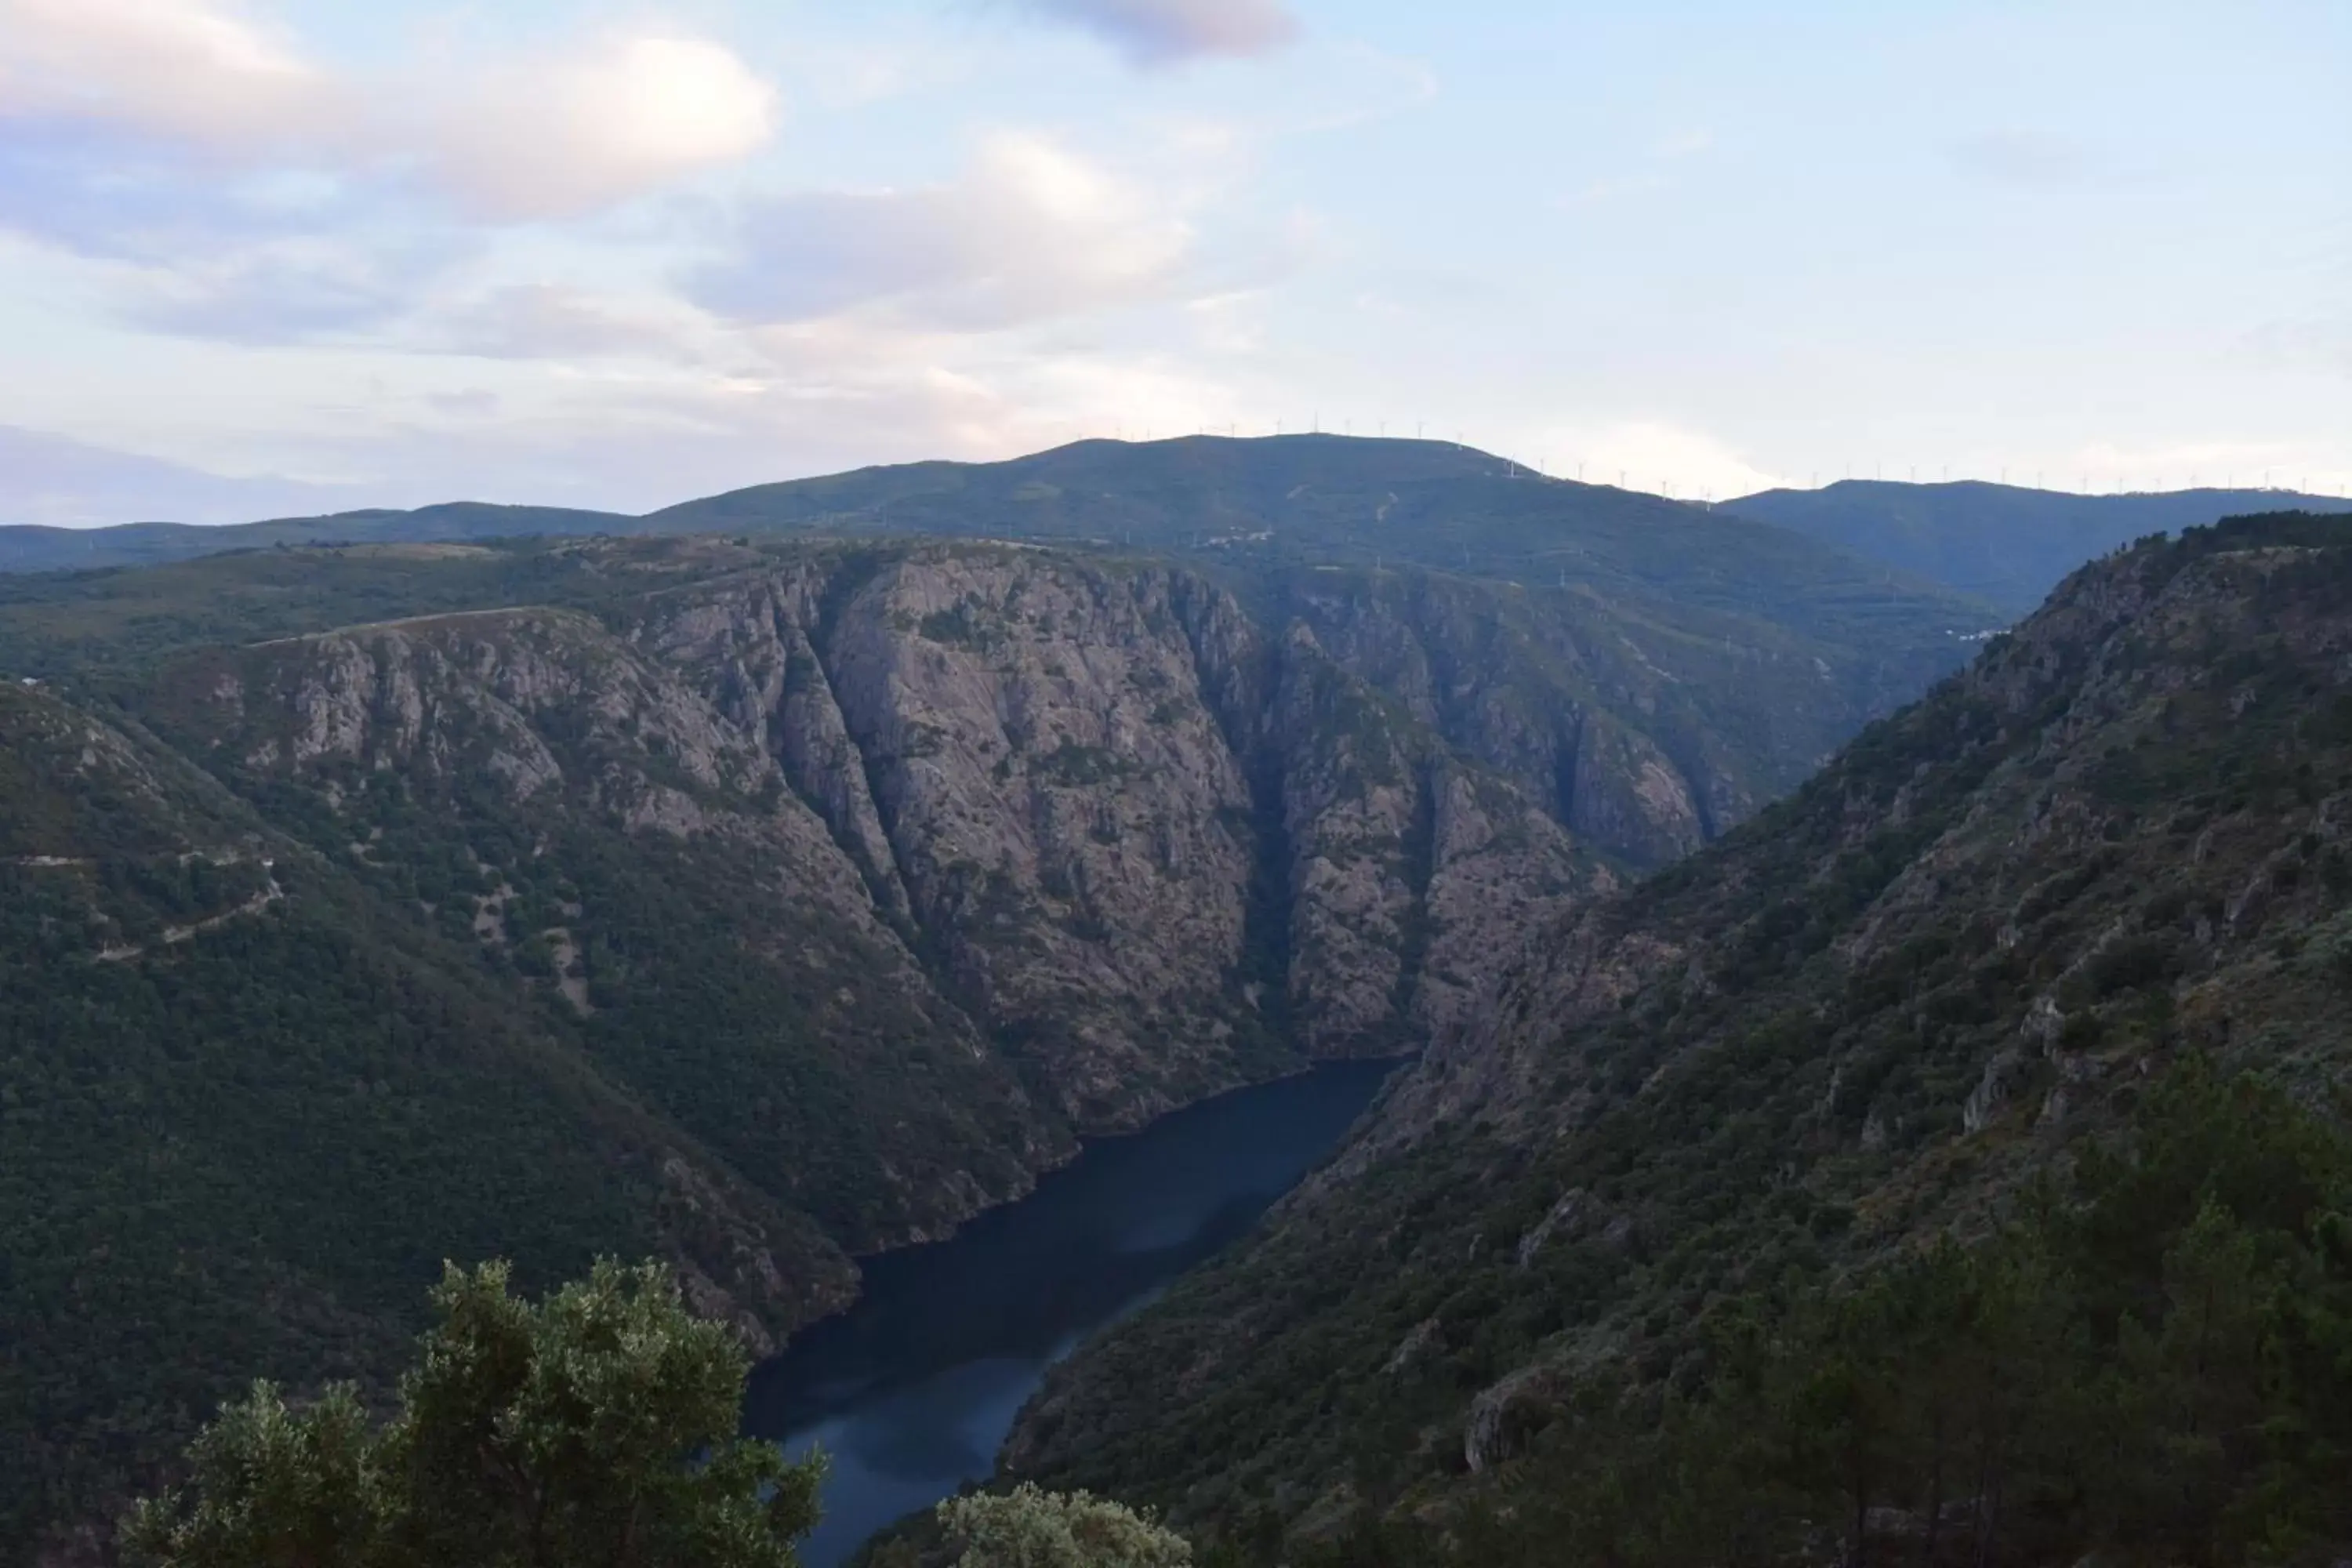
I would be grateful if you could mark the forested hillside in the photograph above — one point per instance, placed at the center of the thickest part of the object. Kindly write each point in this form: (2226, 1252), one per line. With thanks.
(245, 1105)
(1644, 1257)
(2005, 543)
(1855, 559)
(1253, 505)
(750, 903)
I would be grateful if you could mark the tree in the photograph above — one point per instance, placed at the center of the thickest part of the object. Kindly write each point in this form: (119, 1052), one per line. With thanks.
(1027, 1528)
(595, 1427)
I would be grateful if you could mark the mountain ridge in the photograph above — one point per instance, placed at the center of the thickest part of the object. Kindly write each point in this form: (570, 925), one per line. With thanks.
(2006, 543)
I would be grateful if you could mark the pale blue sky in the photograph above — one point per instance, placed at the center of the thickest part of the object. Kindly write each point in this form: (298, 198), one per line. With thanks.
(623, 254)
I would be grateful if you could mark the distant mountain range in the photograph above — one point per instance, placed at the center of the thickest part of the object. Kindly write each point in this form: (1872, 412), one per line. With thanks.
(1324, 499)
(2003, 543)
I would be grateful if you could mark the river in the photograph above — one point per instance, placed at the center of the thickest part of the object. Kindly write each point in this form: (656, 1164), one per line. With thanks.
(912, 1390)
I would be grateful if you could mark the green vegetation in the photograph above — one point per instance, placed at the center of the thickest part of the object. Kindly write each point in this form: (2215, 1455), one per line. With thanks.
(1026, 1528)
(2002, 543)
(249, 1102)
(595, 1426)
(1246, 509)
(1738, 1095)
(1263, 506)
(321, 962)
(2152, 1364)
(24, 549)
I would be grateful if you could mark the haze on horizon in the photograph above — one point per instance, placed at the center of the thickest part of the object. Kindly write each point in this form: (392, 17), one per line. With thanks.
(270, 256)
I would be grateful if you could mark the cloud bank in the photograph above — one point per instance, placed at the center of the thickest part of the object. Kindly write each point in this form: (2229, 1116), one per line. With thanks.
(1029, 231)
(183, 69)
(552, 134)
(623, 116)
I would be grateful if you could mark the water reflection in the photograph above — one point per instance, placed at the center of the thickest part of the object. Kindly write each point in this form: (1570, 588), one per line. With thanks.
(912, 1391)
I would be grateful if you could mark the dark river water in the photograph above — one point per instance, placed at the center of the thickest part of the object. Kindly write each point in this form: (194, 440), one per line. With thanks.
(912, 1390)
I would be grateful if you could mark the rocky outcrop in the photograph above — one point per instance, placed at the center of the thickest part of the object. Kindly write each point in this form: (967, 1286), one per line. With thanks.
(1068, 819)
(1097, 822)
(1504, 1416)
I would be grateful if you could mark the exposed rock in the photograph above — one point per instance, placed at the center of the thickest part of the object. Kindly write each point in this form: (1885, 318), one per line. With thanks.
(1507, 1414)
(2000, 1075)
(1562, 1221)
(1426, 1334)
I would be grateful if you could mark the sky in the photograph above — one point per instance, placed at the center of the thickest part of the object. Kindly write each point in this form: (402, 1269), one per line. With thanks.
(260, 257)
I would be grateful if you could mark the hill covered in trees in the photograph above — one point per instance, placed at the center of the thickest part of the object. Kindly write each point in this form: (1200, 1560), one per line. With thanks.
(747, 901)
(1283, 502)
(1977, 551)
(1879, 1179)
(2007, 545)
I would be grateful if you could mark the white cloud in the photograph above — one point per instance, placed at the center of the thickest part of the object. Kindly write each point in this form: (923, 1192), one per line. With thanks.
(623, 116)
(223, 184)
(188, 69)
(1645, 455)
(1030, 231)
(1161, 32)
(540, 136)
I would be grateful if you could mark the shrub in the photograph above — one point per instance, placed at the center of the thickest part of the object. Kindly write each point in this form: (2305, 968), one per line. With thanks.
(597, 1425)
(1027, 1528)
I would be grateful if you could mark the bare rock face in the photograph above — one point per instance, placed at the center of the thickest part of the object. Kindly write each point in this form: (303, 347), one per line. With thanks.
(983, 847)
(1073, 784)
(1064, 811)
(622, 844)
(1352, 801)
(1105, 826)
(1503, 1418)
(1503, 874)
(1602, 722)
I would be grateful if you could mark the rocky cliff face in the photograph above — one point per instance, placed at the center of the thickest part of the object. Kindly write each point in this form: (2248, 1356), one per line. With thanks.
(1017, 754)
(1086, 828)
(2123, 836)
(606, 835)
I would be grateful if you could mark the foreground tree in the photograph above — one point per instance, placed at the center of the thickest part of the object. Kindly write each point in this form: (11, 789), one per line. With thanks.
(1027, 1528)
(595, 1427)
